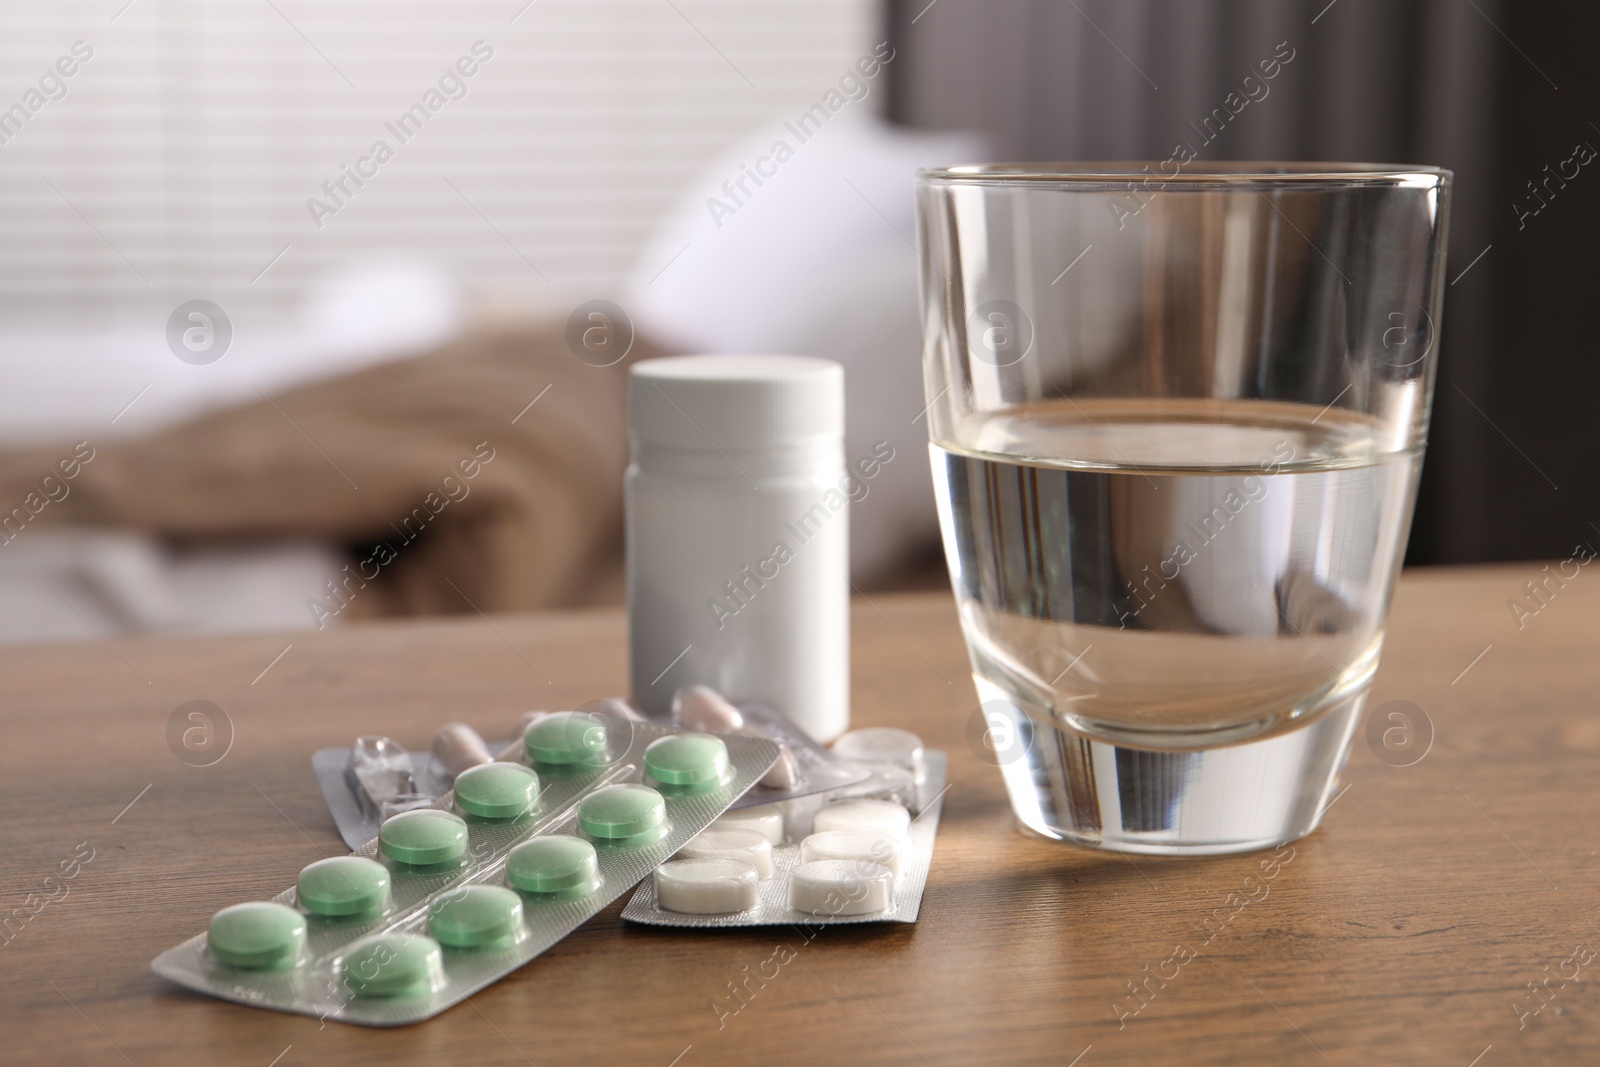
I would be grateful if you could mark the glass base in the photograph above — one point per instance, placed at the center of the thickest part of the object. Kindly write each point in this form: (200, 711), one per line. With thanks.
(1211, 801)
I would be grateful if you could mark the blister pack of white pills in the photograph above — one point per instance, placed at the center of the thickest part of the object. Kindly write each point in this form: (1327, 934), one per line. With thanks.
(377, 776)
(857, 854)
(453, 897)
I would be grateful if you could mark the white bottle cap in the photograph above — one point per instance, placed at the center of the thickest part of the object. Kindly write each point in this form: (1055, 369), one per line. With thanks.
(735, 402)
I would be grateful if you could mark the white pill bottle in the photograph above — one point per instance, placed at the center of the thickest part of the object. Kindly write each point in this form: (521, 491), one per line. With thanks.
(738, 535)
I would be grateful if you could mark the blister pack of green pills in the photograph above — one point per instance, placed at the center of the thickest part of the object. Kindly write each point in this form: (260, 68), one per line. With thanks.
(451, 898)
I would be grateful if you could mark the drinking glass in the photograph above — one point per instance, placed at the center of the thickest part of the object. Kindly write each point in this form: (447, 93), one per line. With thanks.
(1176, 415)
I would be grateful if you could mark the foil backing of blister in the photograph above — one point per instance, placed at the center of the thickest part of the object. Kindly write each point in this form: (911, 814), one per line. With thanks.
(820, 770)
(313, 986)
(772, 904)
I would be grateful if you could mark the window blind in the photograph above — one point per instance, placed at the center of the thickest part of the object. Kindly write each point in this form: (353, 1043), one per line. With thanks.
(186, 153)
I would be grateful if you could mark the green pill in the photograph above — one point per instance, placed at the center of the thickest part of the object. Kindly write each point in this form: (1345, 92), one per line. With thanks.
(257, 935)
(622, 811)
(567, 737)
(497, 790)
(392, 965)
(423, 837)
(343, 886)
(556, 864)
(687, 759)
(475, 916)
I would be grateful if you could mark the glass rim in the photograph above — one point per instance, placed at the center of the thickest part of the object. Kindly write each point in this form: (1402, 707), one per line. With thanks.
(1207, 176)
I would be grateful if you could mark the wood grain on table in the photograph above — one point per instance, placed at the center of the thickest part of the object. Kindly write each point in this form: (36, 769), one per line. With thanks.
(1442, 915)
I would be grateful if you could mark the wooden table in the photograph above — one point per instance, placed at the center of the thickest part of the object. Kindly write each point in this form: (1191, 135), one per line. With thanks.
(1406, 931)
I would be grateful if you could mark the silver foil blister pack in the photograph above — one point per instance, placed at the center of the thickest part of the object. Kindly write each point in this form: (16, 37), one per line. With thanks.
(318, 984)
(357, 814)
(924, 800)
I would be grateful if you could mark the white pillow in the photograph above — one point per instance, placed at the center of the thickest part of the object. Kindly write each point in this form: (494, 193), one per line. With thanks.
(820, 260)
(711, 281)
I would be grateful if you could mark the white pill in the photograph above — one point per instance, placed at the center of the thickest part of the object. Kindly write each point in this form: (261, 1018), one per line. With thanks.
(854, 845)
(746, 846)
(884, 744)
(882, 816)
(785, 774)
(706, 887)
(840, 887)
(765, 819)
(457, 746)
(700, 707)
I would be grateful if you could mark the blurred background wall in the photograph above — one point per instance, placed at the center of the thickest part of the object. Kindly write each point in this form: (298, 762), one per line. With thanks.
(180, 160)
(197, 132)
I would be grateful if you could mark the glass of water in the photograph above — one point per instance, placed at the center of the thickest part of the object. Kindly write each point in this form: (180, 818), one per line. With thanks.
(1177, 414)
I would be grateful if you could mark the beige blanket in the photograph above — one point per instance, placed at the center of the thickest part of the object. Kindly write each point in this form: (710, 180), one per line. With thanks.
(451, 491)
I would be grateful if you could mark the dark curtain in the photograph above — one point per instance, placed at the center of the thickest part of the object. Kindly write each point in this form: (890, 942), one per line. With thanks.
(1493, 91)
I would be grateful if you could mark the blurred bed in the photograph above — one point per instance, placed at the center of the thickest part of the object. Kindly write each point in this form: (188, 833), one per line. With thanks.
(388, 452)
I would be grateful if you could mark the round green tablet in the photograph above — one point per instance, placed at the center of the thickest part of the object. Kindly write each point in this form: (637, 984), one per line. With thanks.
(555, 864)
(687, 759)
(343, 886)
(423, 837)
(257, 935)
(390, 965)
(497, 790)
(567, 737)
(475, 916)
(619, 811)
